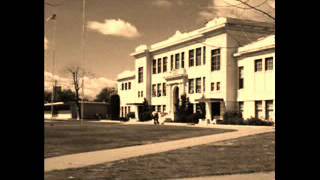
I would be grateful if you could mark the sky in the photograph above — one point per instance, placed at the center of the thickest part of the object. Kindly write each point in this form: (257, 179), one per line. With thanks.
(116, 27)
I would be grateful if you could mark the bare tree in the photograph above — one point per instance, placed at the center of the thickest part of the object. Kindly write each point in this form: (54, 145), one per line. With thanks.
(77, 73)
(249, 6)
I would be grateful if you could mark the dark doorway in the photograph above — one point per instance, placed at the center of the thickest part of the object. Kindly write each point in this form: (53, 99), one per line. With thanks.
(215, 108)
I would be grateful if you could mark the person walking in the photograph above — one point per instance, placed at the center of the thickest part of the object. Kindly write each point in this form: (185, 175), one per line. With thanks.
(155, 117)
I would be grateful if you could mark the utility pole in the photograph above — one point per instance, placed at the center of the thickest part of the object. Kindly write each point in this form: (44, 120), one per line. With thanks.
(83, 54)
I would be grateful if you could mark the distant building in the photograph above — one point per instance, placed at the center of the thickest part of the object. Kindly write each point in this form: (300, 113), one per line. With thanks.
(221, 67)
(65, 111)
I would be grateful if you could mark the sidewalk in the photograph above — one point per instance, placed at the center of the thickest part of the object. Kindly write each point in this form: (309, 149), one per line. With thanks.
(251, 176)
(109, 155)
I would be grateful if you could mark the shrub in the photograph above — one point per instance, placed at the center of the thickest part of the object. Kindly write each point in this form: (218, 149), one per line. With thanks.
(131, 115)
(123, 119)
(259, 122)
(232, 117)
(193, 118)
(146, 116)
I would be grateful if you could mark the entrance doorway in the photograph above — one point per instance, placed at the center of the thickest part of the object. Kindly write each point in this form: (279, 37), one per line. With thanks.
(215, 109)
(175, 103)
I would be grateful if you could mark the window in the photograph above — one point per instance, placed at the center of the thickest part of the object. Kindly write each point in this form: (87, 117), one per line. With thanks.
(198, 56)
(121, 111)
(129, 109)
(204, 84)
(215, 59)
(191, 57)
(125, 86)
(159, 65)
(153, 108)
(204, 54)
(269, 109)
(241, 107)
(138, 93)
(141, 93)
(212, 86)
(140, 74)
(154, 90)
(165, 59)
(198, 85)
(269, 63)
(129, 85)
(171, 59)
(182, 60)
(258, 65)
(125, 111)
(154, 66)
(241, 77)
(218, 86)
(159, 108)
(159, 90)
(191, 86)
(122, 86)
(258, 109)
(164, 108)
(177, 60)
(164, 89)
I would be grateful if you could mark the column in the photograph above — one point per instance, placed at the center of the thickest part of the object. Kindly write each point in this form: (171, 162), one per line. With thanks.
(208, 110)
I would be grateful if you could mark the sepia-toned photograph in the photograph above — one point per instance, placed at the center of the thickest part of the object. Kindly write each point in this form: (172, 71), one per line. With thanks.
(159, 89)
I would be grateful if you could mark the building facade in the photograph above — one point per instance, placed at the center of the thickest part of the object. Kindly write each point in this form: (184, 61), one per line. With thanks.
(202, 64)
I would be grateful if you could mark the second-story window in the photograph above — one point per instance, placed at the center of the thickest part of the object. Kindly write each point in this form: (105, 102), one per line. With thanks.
(198, 56)
(159, 65)
(171, 62)
(165, 59)
(215, 59)
(182, 60)
(191, 57)
(212, 86)
(258, 65)
(177, 61)
(204, 54)
(241, 77)
(198, 85)
(140, 74)
(154, 66)
(218, 86)
(269, 63)
(122, 86)
(191, 86)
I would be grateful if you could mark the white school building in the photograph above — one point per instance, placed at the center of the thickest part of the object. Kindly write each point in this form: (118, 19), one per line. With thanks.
(227, 65)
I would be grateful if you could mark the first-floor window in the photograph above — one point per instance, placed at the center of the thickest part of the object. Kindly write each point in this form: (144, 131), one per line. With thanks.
(198, 85)
(125, 111)
(129, 85)
(154, 90)
(241, 107)
(141, 93)
(129, 109)
(191, 86)
(258, 109)
(164, 89)
(138, 93)
(125, 86)
(121, 111)
(159, 90)
(212, 86)
(164, 108)
(269, 109)
(122, 86)
(159, 108)
(204, 84)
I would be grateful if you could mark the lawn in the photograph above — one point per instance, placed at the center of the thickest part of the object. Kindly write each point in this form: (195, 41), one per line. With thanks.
(243, 155)
(63, 138)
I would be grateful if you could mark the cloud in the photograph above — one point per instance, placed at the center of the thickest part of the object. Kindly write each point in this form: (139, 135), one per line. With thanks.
(234, 9)
(162, 3)
(166, 3)
(92, 85)
(45, 43)
(114, 27)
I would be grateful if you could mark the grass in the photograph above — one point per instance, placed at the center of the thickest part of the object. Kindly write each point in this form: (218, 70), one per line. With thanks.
(243, 155)
(63, 138)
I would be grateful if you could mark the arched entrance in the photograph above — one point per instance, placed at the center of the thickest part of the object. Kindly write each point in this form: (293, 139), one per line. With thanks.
(175, 98)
